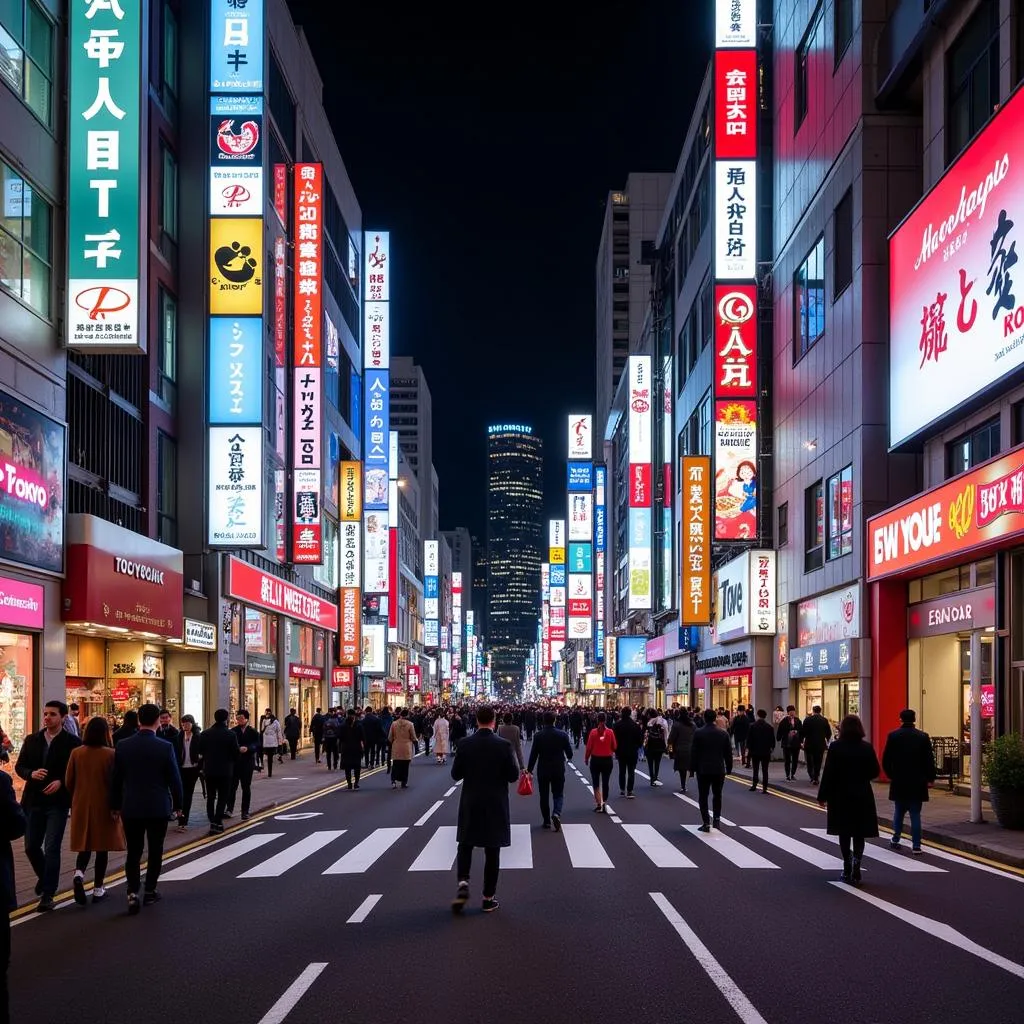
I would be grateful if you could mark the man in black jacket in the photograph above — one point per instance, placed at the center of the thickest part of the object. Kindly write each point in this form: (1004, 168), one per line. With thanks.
(760, 744)
(218, 748)
(316, 730)
(710, 761)
(12, 826)
(576, 726)
(817, 732)
(550, 751)
(373, 734)
(292, 731)
(740, 726)
(248, 742)
(909, 762)
(629, 737)
(790, 734)
(43, 764)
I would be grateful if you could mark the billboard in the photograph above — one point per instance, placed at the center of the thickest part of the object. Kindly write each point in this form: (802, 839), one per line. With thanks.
(735, 220)
(236, 266)
(735, 91)
(745, 600)
(640, 445)
(581, 517)
(349, 629)
(695, 570)
(236, 369)
(735, 443)
(631, 656)
(235, 487)
(431, 590)
(581, 431)
(735, 23)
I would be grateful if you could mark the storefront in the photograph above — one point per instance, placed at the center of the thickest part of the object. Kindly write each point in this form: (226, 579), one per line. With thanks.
(22, 620)
(671, 656)
(305, 693)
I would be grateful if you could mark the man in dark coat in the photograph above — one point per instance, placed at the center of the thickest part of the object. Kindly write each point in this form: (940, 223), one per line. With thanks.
(248, 743)
(487, 766)
(316, 730)
(373, 734)
(550, 751)
(909, 762)
(292, 731)
(760, 744)
(576, 726)
(816, 733)
(218, 751)
(790, 735)
(12, 826)
(710, 761)
(740, 726)
(629, 737)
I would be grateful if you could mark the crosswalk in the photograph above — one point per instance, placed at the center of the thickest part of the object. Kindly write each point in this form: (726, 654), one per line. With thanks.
(577, 846)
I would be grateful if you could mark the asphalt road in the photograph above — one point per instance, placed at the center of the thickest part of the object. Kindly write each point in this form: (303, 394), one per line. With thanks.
(339, 910)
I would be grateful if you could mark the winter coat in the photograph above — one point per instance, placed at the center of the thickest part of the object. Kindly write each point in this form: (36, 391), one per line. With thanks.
(351, 740)
(89, 778)
(785, 728)
(711, 752)
(513, 735)
(680, 741)
(487, 766)
(441, 736)
(629, 736)
(816, 732)
(909, 762)
(402, 739)
(273, 736)
(846, 788)
(760, 739)
(656, 735)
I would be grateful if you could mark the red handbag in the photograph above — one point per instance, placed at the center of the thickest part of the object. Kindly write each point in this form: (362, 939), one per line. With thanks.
(525, 784)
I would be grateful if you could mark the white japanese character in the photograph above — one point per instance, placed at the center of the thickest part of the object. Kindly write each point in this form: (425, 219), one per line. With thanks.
(102, 150)
(103, 46)
(104, 250)
(308, 286)
(236, 31)
(103, 99)
(114, 6)
(103, 186)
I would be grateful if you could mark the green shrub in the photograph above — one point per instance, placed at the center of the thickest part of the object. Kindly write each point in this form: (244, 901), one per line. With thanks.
(1004, 762)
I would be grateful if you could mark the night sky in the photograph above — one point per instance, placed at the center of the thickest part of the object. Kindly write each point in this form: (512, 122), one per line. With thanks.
(487, 146)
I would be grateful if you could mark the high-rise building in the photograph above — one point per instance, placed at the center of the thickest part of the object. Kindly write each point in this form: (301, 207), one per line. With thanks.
(480, 582)
(411, 417)
(624, 257)
(463, 551)
(515, 510)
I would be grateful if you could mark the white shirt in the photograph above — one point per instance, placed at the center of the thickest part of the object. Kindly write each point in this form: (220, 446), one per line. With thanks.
(186, 745)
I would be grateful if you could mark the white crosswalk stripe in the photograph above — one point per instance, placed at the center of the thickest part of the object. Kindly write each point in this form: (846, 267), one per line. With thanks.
(585, 849)
(295, 854)
(895, 860)
(661, 852)
(362, 857)
(731, 850)
(221, 855)
(439, 853)
(804, 851)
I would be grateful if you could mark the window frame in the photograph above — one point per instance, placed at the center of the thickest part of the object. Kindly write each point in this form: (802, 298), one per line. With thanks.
(24, 245)
(955, 89)
(167, 353)
(841, 282)
(169, 84)
(834, 529)
(22, 91)
(841, 9)
(782, 524)
(166, 481)
(801, 62)
(969, 439)
(168, 161)
(801, 348)
(814, 553)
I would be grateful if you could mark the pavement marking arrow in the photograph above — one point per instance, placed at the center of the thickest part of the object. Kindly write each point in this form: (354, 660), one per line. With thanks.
(301, 816)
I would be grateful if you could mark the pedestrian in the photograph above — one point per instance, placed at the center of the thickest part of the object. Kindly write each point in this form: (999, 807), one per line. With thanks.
(43, 763)
(94, 828)
(12, 826)
(759, 745)
(598, 753)
(332, 729)
(316, 731)
(165, 730)
(486, 765)
(441, 738)
(372, 736)
(386, 721)
(402, 740)
(529, 723)
(70, 721)
(909, 762)
(710, 761)
(186, 748)
(680, 743)
(129, 727)
(655, 745)
(218, 750)
(816, 734)
(629, 736)
(845, 789)
(790, 734)
(273, 740)
(145, 791)
(292, 731)
(549, 753)
(740, 728)
(509, 731)
(350, 744)
(576, 726)
(248, 740)
(722, 720)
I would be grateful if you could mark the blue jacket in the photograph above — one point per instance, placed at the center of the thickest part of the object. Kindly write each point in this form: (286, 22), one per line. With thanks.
(147, 783)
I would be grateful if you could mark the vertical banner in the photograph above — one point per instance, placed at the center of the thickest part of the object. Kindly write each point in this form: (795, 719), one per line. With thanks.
(557, 587)
(695, 602)
(456, 624)
(600, 554)
(580, 503)
(105, 171)
(640, 445)
(394, 582)
(350, 501)
(431, 598)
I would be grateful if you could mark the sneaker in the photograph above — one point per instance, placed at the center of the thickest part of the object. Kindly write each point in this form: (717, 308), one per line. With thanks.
(703, 828)
(229, 814)
(545, 825)
(631, 796)
(98, 895)
(657, 783)
(149, 898)
(489, 905)
(245, 816)
(753, 789)
(45, 904)
(556, 822)
(717, 824)
(917, 851)
(894, 844)
(78, 883)
(461, 898)
(134, 906)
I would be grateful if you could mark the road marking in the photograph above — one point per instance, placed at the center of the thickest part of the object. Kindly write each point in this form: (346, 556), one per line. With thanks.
(745, 1009)
(224, 855)
(617, 820)
(363, 856)
(363, 910)
(281, 862)
(810, 854)
(585, 849)
(660, 851)
(430, 811)
(890, 857)
(292, 994)
(937, 929)
(302, 816)
(439, 853)
(967, 860)
(448, 792)
(732, 851)
(689, 800)
(520, 853)
(289, 778)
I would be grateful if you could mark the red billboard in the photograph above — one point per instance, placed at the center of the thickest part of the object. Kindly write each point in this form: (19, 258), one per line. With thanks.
(735, 90)
(735, 341)
(253, 586)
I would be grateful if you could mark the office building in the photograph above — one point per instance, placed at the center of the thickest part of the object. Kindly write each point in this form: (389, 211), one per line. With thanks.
(462, 555)
(479, 591)
(412, 417)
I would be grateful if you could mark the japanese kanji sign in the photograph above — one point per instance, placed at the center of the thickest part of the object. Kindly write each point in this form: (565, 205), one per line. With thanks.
(237, 38)
(236, 487)
(695, 546)
(105, 202)
(736, 104)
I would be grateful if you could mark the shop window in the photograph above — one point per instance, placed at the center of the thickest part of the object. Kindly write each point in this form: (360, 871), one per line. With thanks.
(26, 55)
(801, 89)
(783, 524)
(840, 513)
(972, 78)
(814, 526)
(167, 352)
(167, 490)
(169, 62)
(809, 298)
(842, 246)
(260, 632)
(17, 688)
(973, 448)
(25, 241)
(842, 30)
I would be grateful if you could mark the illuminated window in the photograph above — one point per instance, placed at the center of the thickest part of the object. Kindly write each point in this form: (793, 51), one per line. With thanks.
(809, 298)
(840, 513)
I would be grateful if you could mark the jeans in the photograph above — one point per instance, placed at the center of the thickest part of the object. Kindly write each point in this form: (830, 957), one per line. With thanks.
(902, 807)
(218, 788)
(601, 775)
(712, 784)
(82, 862)
(627, 772)
(350, 770)
(243, 778)
(492, 862)
(44, 833)
(791, 758)
(760, 762)
(654, 763)
(813, 757)
(136, 832)
(189, 778)
(331, 750)
(555, 785)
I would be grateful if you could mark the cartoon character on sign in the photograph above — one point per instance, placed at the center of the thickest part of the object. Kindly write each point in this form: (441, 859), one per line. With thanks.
(237, 143)
(746, 474)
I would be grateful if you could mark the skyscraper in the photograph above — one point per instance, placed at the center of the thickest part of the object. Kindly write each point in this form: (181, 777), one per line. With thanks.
(515, 509)
(412, 418)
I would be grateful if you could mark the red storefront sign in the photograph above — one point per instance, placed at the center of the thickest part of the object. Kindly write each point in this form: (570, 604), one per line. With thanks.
(305, 671)
(736, 341)
(414, 678)
(341, 677)
(735, 90)
(349, 649)
(640, 485)
(580, 607)
(117, 577)
(252, 586)
(392, 686)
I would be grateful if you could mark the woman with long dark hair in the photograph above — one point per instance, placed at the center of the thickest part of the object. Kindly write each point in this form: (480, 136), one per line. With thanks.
(845, 789)
(599, 752)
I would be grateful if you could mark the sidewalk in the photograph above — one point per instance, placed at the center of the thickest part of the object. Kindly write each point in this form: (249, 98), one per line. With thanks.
(944, 819)
(292, 780)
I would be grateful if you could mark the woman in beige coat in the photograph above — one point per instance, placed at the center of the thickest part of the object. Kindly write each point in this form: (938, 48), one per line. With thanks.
(93, 828)
(402, 738)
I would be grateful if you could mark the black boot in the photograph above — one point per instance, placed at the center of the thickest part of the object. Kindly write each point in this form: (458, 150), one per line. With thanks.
(855, 874)
(847, 870)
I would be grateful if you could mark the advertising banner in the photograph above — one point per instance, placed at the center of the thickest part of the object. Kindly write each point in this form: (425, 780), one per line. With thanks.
(735, 92)
(736, 470)
(351, 491)
(236, 370)
(236, 46)
(695, 576)
(735, 337)
(350, 537)
(580, 476)
(735, 23)
(349, 649)
(261, 589)
(735, 220)
(581, 431)
(581, 517)
(375, 439)
(236, 266)
(235, 487)
(745, 596)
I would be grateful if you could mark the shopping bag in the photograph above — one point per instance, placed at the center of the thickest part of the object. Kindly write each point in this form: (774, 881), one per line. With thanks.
(525, 784)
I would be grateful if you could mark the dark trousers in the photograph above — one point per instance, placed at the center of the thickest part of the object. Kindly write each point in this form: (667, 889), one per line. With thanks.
(139, 831)
(791, 758)
(318, 743)
(492, 862)
(426, 737)
(760, 763)
(551, 785)
(350, 771)
(384, 754)
(858, 846)
(331, 751)
(682, 779)
(44, 833)
(627, 772)
(82, 862)
(5, 963)
(654, 761)
(293, 745)
(576, 738)
(218, 789)
(813, 756)
(269, 762)
(601, 775)
(189, 778)
(400, 771)
(710, 784)
(243, 778)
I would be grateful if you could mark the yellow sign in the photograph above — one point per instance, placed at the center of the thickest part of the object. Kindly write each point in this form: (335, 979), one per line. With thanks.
(236, 265)
(557, 556)
(351, 505)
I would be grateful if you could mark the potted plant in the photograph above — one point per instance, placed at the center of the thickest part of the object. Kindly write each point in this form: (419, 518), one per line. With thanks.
(1003, 770)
